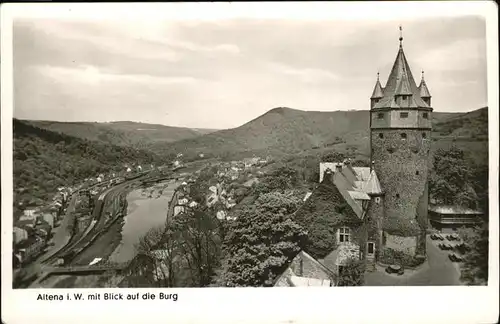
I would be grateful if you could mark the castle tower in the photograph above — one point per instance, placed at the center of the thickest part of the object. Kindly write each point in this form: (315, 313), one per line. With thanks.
(400, 131)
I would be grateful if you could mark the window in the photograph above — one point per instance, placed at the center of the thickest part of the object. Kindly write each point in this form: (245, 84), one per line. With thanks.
(375, 100)
(403, 115)
(380, 135)
(425, 115)
(424, 135)
(405, 97)
(403, 136)
(371, 248)
(397, 195)
(416, 172)
(377, 200)
(380, 115)
(344, 235)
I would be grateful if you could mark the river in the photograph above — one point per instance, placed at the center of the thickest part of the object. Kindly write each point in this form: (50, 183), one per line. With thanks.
(147, 208)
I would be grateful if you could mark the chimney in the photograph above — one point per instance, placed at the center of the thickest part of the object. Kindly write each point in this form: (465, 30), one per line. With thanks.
(338, 167)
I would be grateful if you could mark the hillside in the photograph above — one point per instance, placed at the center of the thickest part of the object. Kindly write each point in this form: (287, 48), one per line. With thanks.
(467, 131)
(284, 130)
(45, 160)
(122, 133)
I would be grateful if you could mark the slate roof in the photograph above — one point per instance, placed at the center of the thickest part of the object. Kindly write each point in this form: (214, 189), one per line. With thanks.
(297, 281)
(309, 282)
(423, 90)
(353, 183)
(400, 82)
(377, 91)
(372, 186)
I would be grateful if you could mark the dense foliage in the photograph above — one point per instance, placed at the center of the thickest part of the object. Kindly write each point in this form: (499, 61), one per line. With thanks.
(261, 242)
(321, 215)
(352, 274)
(45, 160)
(474, 271)
(456, 180)
(281, 178)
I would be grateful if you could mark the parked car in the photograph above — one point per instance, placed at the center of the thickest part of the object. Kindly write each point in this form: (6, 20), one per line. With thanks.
(455, 258)
(445, 246)
(434, 237)
(439, 237)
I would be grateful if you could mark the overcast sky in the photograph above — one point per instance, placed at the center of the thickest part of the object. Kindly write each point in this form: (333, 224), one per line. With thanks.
(222, 73)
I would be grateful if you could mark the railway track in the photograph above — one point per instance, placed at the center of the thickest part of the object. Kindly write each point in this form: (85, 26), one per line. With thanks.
(80, 241)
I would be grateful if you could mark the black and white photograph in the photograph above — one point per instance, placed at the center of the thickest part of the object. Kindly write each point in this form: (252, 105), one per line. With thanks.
(154, 152)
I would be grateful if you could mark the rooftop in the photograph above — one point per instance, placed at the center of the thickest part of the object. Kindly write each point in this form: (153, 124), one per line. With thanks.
(447, 209)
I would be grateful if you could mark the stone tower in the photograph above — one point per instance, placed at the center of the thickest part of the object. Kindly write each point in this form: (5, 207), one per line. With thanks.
(400, 131)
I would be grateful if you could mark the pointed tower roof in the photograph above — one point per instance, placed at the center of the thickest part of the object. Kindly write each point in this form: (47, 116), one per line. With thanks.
(401, 82)
(423, 90)
(377, 91)
(372, 186)
(404, 85)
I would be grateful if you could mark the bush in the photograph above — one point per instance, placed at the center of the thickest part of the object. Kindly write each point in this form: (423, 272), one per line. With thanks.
(391, 256)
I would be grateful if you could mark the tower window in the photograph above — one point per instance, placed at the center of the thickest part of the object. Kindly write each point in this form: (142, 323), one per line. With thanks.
(425, 115)
(403, 136)
(424, 135)
(403, 115)
(375, 100)
(405, 97)
(380, 135)
(380, 115)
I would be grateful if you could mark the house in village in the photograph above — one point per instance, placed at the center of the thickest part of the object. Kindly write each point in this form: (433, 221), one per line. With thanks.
(378, 211)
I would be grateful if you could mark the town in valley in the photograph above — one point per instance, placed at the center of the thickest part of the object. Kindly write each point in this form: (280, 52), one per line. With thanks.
(393, 192)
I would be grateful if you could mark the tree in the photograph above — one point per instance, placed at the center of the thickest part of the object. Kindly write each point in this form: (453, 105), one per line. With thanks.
(352, 273)
(261, 242)
(452, 180)
(199, 243)
(156, 260)
(279, 179)
(475, 268)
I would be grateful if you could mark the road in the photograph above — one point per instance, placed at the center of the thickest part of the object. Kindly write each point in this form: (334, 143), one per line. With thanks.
(62, 235)
(437, 271)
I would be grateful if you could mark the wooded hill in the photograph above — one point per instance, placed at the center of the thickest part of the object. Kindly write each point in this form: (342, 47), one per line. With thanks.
(283, 131)
(45, 160)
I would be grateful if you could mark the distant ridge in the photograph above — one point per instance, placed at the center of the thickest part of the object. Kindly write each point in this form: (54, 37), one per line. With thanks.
(121, 133)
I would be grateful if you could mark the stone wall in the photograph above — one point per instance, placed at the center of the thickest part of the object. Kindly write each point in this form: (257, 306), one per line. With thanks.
(402, 166)
(407, 245)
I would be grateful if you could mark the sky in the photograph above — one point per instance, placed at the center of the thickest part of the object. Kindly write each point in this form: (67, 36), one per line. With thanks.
(221, 73)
